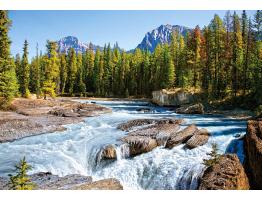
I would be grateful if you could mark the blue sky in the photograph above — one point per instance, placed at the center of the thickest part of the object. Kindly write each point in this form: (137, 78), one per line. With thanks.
(126, 27)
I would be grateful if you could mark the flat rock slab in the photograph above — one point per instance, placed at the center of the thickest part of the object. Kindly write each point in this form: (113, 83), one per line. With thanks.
(34, 117)
(198, 139)
(154, 130)
(130, 125)
(105, 184)
(181, 136)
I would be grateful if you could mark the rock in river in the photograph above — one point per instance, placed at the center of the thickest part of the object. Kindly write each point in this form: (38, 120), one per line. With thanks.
(191, 109)
(181, 136)
(132, 124)
(227, 174)
(139, 144)
(198, 139)
(108, 152)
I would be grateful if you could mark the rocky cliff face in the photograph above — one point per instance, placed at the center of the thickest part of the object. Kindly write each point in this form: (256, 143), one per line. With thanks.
(160, 35)
(253, 146)
(227, 174)
(172, 98)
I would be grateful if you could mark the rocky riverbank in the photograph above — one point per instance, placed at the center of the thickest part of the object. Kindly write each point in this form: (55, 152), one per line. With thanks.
(188, 102)
(33, 117)
(227, 174)
(48, 181)
(253, 146)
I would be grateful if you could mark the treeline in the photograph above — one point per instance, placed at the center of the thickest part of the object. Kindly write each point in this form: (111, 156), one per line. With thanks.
(223, 59)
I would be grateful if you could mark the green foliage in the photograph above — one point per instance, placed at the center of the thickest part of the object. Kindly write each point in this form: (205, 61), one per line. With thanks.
(25, 72)
(214, 157)
(8, 81)
(223, 60)
(72, 70)
(21, 180)
(51, 70)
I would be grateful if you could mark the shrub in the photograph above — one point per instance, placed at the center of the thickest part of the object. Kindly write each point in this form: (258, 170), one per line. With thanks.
(21, 180)
(214, 157)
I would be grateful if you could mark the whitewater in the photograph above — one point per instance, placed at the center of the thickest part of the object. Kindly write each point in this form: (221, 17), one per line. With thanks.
(75, 150)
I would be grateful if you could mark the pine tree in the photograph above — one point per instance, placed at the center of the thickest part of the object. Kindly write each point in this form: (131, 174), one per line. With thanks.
(63, 73)
(107, 70)
(89, 66)
(167, 69)
(180, 68)
(34, 84)
(72, 70)
(80, 86)
(214, 157)
(257, 26)
(25, 72)
(21, 180)
(237, 56)
(51, 70)
(217, 49)
(8, 81)
(115, 70)
(18, 70)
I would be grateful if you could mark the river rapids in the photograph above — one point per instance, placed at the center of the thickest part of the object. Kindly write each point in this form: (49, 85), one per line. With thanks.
(75, 150)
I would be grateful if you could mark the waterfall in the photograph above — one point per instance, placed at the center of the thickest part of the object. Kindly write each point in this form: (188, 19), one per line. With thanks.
(78, 149)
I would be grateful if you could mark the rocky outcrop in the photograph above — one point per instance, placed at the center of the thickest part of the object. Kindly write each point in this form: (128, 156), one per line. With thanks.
(108, 152)
(146, 134)
(227, 174)
(105, 184)
(173, 98)
(48, 181)
(198, 139)
(43, 116)
(133, 124)
(191, 109)
(181, 136)
(139, 144)
(253, 146)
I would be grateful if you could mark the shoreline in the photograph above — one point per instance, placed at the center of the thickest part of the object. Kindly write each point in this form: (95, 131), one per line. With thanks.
(48, 116)
(37, 117)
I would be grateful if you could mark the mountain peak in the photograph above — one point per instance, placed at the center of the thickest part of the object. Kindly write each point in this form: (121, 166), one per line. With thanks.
(68, 42)
(160, 35)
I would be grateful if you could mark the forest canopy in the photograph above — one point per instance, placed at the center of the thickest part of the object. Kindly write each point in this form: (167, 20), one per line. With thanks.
(223, 59)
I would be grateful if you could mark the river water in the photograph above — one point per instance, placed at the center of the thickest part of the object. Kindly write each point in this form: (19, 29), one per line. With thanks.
(75, 150)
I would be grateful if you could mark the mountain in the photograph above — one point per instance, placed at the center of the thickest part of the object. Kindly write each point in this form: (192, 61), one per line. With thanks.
(68, 42)
(162, 34)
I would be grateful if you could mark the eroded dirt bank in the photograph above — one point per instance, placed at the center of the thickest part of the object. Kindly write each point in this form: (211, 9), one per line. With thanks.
(34, 117)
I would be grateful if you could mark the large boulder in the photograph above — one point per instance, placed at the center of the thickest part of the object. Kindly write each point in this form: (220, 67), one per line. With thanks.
(227, 174)
(173, 98)
(154, 130)
(139, 144)
(181, 136)
(191, 109)
(198, 139)
(253, 146)
(108, 152)
(133, 124)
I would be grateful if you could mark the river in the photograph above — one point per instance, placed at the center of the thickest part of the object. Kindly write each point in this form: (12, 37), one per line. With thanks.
(74, 151)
